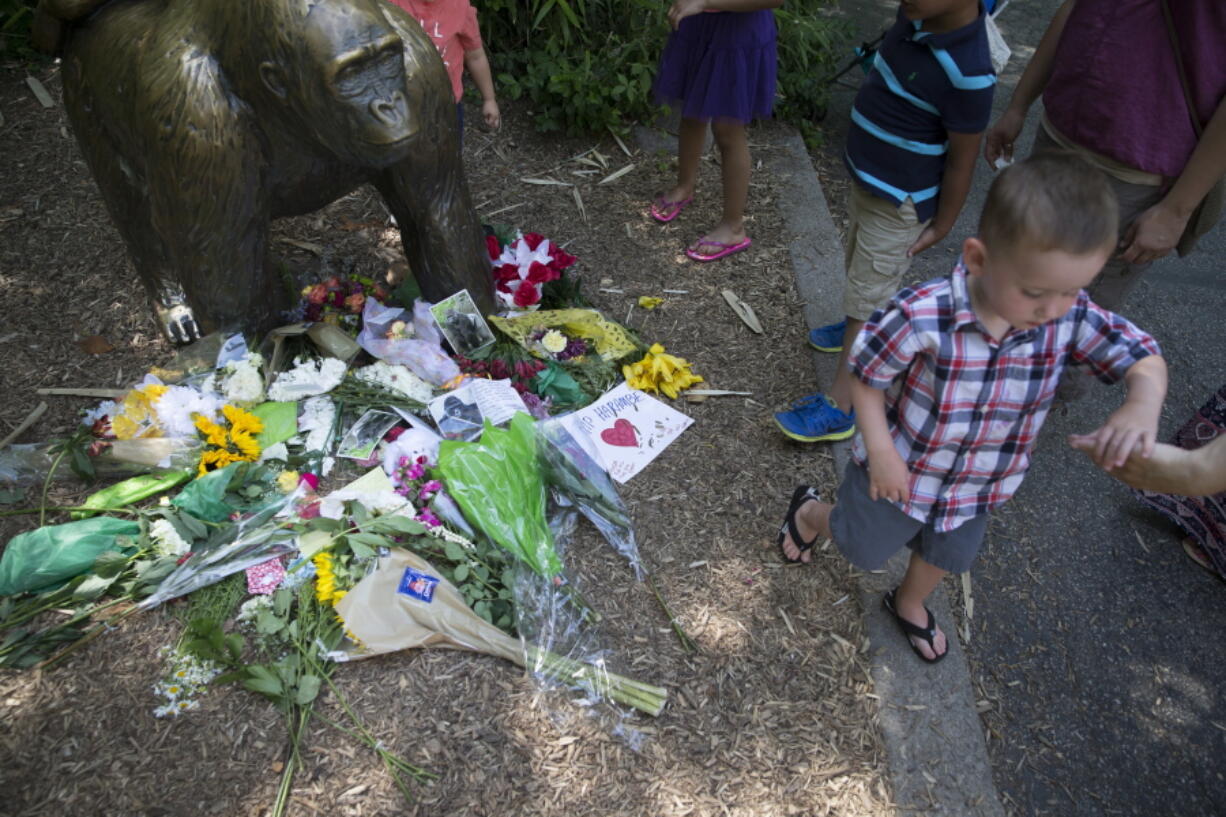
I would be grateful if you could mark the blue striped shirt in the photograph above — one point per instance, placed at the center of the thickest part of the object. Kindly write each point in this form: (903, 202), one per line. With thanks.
(921, 87)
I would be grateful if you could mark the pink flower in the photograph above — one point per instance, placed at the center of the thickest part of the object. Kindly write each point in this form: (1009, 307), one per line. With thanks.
(318, 294)
(355, 302)
(312, 481)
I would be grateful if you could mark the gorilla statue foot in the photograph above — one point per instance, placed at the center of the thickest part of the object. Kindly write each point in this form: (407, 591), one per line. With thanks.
(179, 324)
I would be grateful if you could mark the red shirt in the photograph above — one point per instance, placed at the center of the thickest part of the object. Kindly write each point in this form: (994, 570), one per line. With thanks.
(452, 25)
(1114, 87)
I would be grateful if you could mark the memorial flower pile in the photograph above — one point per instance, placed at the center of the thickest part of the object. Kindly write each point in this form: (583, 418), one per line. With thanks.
(298, 577)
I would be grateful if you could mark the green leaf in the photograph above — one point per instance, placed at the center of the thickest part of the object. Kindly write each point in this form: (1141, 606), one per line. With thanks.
(110, 563)
(308, 689)
(281, 601)
(454, 552)
(280, 422)
(398, 524)
(268, 687)
(234, 647)
(267, 623)
(188, 526)
(92, 587)
(369, 540)
(460, 573)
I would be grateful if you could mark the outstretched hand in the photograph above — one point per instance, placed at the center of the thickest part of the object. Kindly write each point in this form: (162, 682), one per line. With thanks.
(1161, 471)
(1128, 432)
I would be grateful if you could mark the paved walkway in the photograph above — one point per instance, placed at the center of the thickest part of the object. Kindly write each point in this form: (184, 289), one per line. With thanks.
(1096, 646)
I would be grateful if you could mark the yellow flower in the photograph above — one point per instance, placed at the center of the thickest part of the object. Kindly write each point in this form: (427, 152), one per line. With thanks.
(247, 447)
(214, 434)
(661, 373)
(649, 301)
(242, 421)
(326, 591)
(287, 481)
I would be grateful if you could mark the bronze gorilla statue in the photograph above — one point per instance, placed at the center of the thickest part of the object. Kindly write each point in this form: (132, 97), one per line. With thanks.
(204, 119)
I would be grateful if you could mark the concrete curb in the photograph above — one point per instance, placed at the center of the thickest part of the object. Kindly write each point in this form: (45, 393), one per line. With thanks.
(935, 747)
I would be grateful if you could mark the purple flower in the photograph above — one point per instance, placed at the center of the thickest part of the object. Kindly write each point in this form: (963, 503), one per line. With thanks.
(427, 518)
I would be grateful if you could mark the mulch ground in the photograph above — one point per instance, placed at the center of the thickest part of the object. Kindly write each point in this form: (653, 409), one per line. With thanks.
(774, 715)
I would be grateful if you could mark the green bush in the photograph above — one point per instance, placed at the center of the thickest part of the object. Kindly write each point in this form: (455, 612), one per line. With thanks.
(15, 19)
(588, 65)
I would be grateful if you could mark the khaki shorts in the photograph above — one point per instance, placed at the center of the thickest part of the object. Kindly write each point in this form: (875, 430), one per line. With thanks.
(877, 245)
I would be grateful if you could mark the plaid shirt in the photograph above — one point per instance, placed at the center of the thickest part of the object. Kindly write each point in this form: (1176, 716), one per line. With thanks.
(963, 408)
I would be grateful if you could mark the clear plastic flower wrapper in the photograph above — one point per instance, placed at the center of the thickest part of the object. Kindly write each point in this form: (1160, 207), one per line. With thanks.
(580, 482)
(29, 463)
(405, 603)
(258, 537)
(396, 336)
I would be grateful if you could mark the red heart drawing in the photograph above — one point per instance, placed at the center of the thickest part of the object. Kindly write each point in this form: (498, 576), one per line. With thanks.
(622, 433)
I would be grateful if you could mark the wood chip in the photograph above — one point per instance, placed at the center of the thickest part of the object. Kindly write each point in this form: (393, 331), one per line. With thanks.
(105, 394)
(95, 345)
(743, 311)
(614, 176)
(30, 420)
(40, 92)
(529, 180)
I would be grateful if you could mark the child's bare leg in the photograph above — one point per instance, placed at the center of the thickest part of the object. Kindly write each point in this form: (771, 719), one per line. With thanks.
(734, 161)
(840, 390)
(921, 579)
(690, 136)
(812, 519)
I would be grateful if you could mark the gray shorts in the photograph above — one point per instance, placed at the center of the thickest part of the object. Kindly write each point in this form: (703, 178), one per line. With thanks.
(868, 533)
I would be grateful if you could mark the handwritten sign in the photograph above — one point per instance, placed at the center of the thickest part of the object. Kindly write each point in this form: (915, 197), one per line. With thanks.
(625, 430)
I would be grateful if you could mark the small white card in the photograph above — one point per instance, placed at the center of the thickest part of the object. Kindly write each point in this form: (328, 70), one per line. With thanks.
(625, 429)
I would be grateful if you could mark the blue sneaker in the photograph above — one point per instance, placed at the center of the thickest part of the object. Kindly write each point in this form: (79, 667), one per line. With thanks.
(828, 338)
(816, 421)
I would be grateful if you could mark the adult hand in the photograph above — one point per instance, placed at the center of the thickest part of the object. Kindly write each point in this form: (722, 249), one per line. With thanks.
(1166, 470)
(1129, 430)
(930, 235)
(492, 114)
(680, 9)
(1001, 137)
(1152, 234)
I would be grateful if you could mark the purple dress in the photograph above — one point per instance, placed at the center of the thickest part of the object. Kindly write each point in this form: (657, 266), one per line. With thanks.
(720, 65)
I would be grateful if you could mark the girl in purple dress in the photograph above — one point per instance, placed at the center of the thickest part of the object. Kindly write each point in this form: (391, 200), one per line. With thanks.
(718, 66)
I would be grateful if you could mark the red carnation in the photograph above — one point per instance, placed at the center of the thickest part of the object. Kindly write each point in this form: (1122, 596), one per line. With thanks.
(493, 247)
(526, 295)
(538, 273)
(533, 240)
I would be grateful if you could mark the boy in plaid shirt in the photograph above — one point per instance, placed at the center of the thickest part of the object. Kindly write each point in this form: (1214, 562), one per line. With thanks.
(954, 378)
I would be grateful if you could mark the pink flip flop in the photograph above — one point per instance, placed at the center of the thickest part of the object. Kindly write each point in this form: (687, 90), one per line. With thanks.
(724, 249)
(665, 211)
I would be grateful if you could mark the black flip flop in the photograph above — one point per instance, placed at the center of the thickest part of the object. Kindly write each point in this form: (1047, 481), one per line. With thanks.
(928, 633)
(800, 496)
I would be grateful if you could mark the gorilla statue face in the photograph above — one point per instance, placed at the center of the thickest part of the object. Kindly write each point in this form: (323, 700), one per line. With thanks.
(347, 85)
